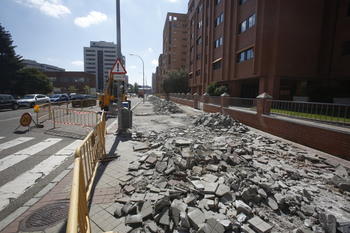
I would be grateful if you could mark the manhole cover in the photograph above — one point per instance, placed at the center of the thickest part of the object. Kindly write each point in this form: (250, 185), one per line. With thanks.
(47, 216)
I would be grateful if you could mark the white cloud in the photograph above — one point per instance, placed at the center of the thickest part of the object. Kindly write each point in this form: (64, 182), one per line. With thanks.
(155, 62)
(52, 8)
(150, 50)
(94, 17)
(77, 63)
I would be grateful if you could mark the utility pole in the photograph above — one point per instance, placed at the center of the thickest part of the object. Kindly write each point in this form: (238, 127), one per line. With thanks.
(119, 56)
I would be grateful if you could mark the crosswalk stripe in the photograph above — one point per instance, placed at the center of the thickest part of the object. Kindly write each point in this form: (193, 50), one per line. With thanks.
(14, 142)
(18, 186)
(19, 156)
(15, 188)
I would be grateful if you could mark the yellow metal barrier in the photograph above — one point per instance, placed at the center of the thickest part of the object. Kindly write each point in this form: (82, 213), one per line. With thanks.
(87, 157)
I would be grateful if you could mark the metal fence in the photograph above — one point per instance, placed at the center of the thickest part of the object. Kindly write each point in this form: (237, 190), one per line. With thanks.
(87, 157)
(338, 114)
(247, 103)
(74, 117)
(216, 100)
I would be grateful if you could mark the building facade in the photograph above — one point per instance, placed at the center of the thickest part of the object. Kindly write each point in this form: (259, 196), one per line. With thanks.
(40, 66)
(175, 51)
(283, 47)
(99, 59)
(62, 81)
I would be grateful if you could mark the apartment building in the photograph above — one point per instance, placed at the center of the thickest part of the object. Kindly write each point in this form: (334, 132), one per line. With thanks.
(99, 59)
(175, 51)
(283, 47)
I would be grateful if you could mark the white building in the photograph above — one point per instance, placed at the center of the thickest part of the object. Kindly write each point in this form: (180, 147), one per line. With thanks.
(99, 59)
(40, 66)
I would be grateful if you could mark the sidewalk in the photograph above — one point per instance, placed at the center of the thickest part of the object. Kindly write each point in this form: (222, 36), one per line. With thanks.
(47, 211)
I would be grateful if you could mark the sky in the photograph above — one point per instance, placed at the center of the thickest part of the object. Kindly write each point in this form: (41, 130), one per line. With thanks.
(55, 32)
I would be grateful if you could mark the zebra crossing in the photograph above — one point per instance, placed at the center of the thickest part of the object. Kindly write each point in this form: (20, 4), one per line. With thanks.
(19, 185)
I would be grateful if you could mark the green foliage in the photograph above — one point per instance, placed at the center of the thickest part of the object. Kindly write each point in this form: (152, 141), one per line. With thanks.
(176, 82)
(10, 63)
(86, 89)
(136, 88)
(32, 80)
(211, 88)
(72, 89)
(214, 90)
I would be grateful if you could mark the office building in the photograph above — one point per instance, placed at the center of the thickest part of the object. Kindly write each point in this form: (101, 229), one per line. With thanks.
(99, 59)
(40, 66)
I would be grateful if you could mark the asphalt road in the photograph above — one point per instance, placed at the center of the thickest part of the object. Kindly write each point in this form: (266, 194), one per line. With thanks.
(31, 157)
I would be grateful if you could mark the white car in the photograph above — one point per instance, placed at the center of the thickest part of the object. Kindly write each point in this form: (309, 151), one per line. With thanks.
(30, 100)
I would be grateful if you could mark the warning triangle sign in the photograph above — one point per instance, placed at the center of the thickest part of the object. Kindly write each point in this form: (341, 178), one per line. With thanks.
(118, 68)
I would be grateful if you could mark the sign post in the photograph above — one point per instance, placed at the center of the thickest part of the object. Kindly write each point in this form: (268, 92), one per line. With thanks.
(118, 70)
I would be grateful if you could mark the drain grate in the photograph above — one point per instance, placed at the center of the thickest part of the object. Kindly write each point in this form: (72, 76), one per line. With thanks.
(45, 217)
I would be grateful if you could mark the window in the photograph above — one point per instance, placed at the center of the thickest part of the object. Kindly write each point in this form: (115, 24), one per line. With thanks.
(199, 40)
(219, 19)
(217, 1)
(217, 65)
(218, 42)
(245, 55)
(198, 72)
(200, 23)
(346, 48)
(200, 7)
(198, 56)
(246, 24)
(241, 2)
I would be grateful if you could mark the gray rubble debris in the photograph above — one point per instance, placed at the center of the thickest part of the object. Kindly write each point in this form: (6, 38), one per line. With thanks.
(212, 174)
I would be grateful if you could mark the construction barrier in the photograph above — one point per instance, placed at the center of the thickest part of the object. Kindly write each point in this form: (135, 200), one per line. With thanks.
(87, 157)
(74, 117)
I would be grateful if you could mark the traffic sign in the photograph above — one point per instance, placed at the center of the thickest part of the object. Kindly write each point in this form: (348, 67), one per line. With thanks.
(119, 77)
(118, 68)
(26, 118)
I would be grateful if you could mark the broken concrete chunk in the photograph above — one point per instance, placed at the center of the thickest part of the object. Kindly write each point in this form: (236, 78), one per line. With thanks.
(146, 210)
(212, 225)
(133, 219)
(222, 190)
(242, 207)
(259, 224)
(196, 218)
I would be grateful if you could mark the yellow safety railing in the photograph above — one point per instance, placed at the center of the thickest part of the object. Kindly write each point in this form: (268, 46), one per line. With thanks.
(87, 157)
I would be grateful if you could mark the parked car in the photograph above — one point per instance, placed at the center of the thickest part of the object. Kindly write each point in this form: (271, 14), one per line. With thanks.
(59, 98)
(8, 102)
(82, 100)
(30, 100)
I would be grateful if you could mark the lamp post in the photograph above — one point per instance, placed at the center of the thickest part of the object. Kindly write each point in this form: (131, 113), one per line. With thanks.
(143, 74)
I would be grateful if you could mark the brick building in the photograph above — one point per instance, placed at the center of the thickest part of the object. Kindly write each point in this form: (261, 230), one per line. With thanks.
(283, 47)
(62, 80)
(175, 51)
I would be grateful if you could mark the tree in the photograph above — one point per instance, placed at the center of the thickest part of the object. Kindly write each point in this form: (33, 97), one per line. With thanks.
(32, 80)
(214, 90)
(86, 89)
(176, 82)
(10, 63)
(72, 89)
(136, 88)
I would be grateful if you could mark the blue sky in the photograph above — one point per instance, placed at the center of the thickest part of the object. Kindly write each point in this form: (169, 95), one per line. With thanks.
(55, 31)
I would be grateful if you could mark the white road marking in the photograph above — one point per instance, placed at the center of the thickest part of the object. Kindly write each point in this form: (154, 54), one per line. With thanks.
(17, 157)
(14, 142)
(15, 188)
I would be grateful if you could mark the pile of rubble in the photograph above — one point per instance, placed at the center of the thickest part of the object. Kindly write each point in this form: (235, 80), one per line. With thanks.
(219, 121)
(164, 107)
(200, 179)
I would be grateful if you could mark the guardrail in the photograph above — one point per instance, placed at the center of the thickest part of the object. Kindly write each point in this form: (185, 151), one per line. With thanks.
(321, 112)
(87, 157)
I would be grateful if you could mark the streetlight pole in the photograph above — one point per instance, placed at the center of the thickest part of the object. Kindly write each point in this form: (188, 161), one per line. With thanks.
(143, 75)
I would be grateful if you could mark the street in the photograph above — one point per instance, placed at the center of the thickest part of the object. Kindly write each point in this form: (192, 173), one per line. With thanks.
(31, 157)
